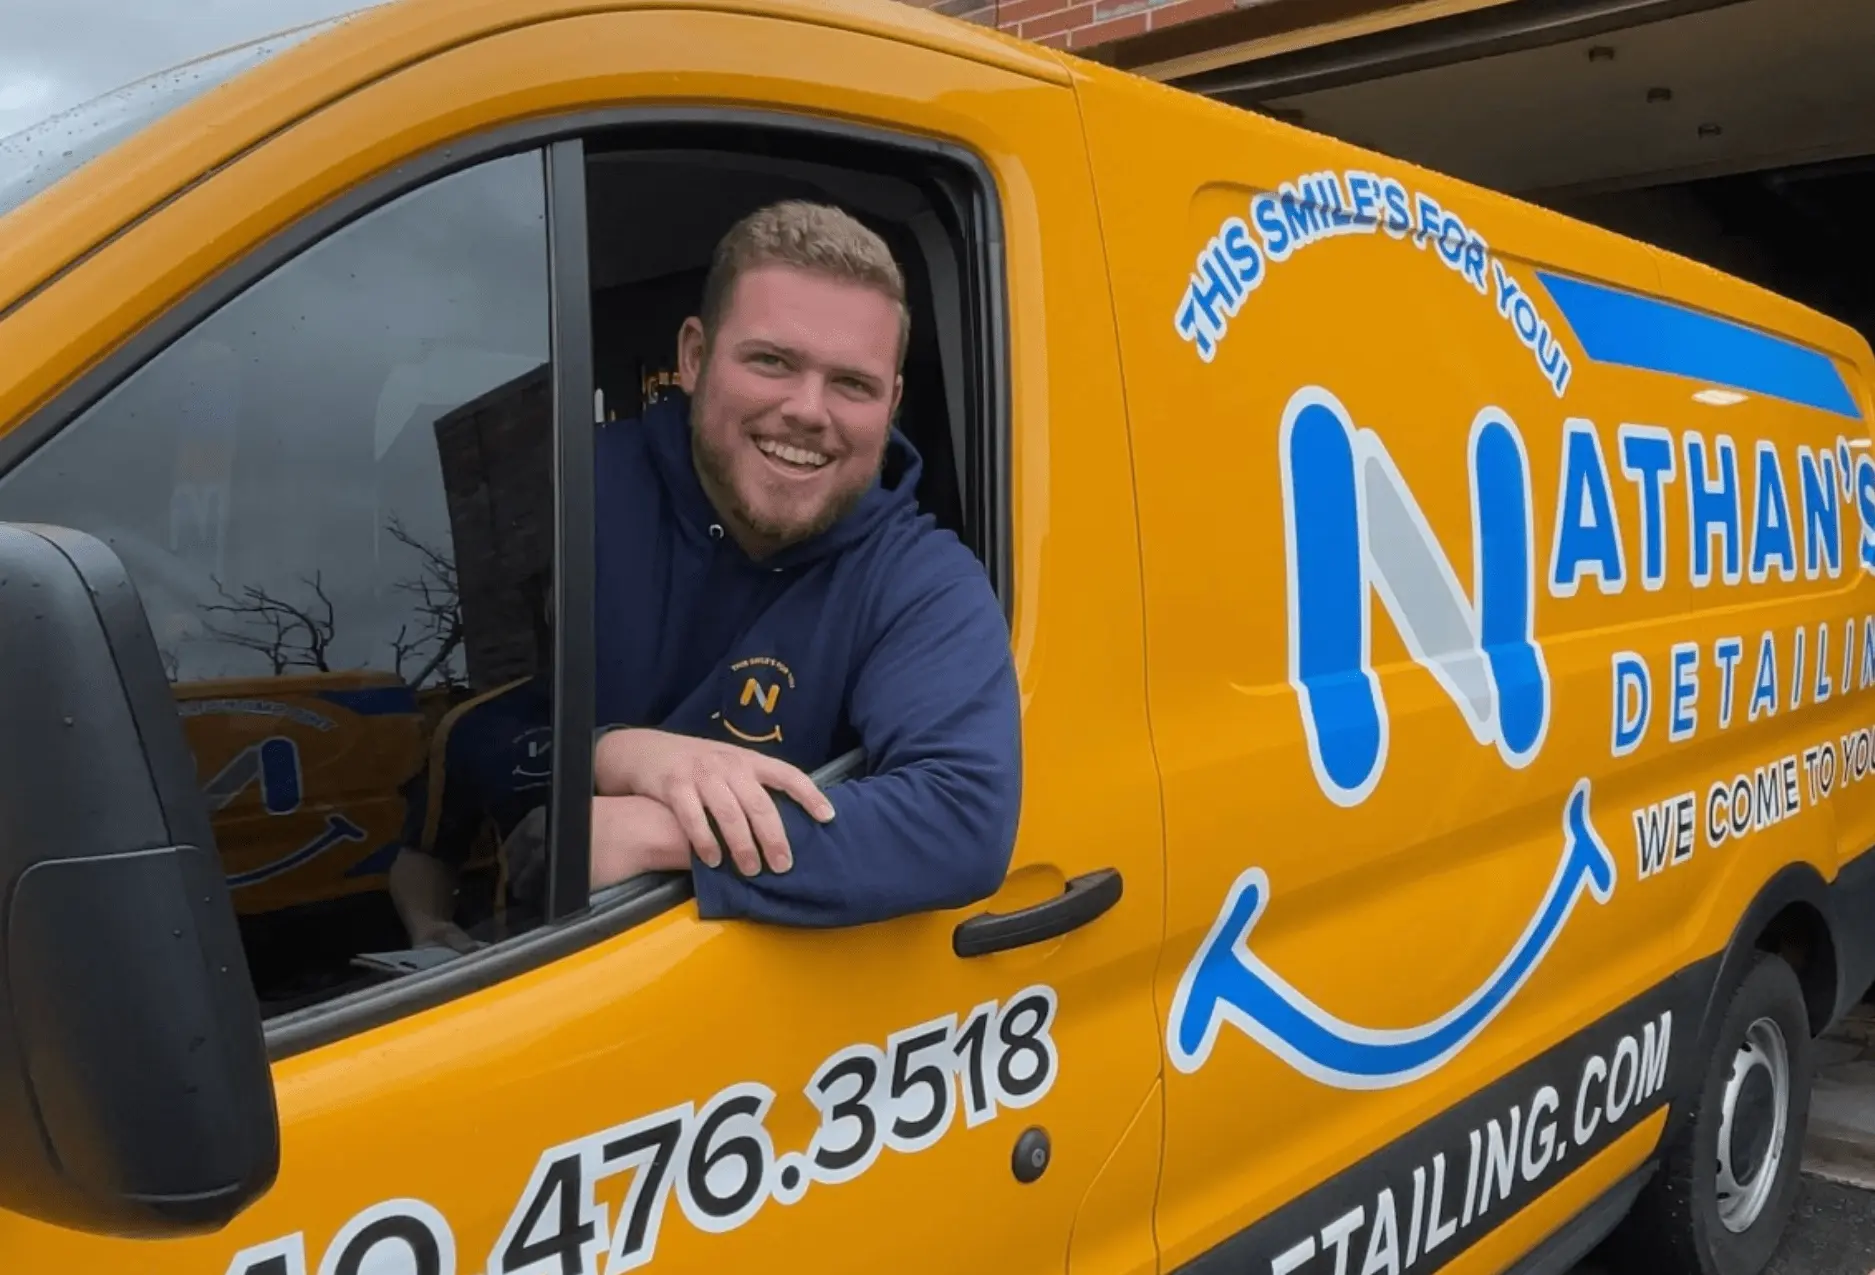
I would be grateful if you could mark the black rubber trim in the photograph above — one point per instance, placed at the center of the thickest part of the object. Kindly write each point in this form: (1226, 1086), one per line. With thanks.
(569, 866)
(1577, 1238)
(1464, 37)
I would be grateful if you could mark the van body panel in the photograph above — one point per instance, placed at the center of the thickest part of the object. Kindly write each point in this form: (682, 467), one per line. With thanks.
(461, 1117)
(85, 209)
(1449, 619)
(1356, 390)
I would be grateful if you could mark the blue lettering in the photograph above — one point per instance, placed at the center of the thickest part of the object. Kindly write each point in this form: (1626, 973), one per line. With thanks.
(1477, 255)
(1431, 217)
(1848, 656)
(1269, 219)
(1867, 677)
(1342, 547)
(1822, 513)
(1364, 189)
(1770, 522)
(1329, 620)
(1208, 299)
(1192, 326)
(1228, 273)
(1647, 460)
(1399, 215)
(1764, 693)
(273, 765)
(1507, 288)
(1523, 315)
(1298, 215)
(1713, 508)
(1343, 218)
(1865, 508)
(1684, 718)
(1796, 673)
(1242, 253)
(1315, 200)
(1727, 652)
(1588, 536)
(1633, 703)
(1555, 362)
(1824, 688)
(1452, 241)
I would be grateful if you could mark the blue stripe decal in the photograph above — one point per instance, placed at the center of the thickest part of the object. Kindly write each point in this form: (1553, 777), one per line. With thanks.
(1657, 336)
(376, 701)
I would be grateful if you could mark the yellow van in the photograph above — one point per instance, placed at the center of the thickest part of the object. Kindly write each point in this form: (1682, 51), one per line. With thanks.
(1445, 636)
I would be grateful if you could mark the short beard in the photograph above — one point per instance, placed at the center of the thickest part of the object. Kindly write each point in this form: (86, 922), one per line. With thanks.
(773, 536)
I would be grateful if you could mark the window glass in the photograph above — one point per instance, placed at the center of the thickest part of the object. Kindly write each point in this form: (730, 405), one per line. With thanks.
(53, 52)
(335, 496)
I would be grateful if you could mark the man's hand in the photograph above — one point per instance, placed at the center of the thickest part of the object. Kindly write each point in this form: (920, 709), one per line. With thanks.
(631, 835)
(698, 780)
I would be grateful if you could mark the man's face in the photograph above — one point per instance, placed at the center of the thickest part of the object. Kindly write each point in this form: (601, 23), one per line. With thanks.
(792, 403)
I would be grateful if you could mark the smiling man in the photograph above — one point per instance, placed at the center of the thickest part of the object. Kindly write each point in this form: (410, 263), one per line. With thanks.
(770, 596)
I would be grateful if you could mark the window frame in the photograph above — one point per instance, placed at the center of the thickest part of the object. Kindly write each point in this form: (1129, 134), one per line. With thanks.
(575, 920)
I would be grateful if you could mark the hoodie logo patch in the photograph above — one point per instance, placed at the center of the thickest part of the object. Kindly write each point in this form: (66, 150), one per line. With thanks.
(754, 690)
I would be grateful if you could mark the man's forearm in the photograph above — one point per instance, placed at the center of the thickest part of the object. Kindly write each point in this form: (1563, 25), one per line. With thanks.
(913, 841)
(423, 890)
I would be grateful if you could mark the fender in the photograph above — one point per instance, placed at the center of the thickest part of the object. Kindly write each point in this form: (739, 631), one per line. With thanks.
(1797, 883)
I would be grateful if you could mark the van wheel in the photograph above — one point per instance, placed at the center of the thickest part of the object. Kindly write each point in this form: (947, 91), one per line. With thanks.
(1727, 1183)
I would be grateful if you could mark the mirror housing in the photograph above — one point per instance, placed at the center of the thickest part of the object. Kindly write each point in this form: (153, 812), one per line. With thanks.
(135, 1093)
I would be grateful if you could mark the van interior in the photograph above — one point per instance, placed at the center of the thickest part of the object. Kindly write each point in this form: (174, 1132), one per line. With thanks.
(658, 206)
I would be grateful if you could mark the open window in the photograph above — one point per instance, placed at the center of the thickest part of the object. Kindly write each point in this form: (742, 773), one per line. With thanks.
(351, 480)
(660, 198)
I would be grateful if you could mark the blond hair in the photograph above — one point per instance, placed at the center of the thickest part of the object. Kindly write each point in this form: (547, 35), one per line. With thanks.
(817, 238)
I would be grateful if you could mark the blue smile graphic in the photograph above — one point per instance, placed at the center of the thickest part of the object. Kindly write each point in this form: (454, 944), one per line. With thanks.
(1226, 983)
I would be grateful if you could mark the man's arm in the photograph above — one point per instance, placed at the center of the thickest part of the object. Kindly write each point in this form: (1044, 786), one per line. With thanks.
(440, 817)
(933, 825)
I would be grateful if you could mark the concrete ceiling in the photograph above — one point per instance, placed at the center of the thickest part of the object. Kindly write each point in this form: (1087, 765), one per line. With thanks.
(1784, 81)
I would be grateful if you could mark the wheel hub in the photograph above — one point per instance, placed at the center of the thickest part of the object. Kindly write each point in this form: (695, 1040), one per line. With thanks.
(1754, 1112)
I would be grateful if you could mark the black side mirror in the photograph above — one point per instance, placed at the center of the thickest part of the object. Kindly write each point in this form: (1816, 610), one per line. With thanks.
(135, 1093)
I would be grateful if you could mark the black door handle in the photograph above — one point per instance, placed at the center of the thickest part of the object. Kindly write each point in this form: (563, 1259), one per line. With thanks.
(1086, 898)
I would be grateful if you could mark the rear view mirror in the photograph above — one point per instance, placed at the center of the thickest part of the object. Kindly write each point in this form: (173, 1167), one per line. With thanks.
(135, 1093)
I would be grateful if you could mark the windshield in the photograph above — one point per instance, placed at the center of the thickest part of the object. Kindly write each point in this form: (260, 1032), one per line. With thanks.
(59, 108)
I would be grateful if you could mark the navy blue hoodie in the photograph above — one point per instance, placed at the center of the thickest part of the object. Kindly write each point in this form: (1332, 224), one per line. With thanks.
(881, 632)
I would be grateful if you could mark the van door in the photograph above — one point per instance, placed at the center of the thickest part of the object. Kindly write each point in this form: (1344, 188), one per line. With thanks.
(351, 439)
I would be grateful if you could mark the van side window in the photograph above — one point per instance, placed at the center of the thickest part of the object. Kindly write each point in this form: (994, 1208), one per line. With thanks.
(792, 559)
(658, 206)
(335, 495)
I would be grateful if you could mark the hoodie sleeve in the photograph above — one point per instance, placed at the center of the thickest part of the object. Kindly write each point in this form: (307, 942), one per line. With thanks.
(933, 823)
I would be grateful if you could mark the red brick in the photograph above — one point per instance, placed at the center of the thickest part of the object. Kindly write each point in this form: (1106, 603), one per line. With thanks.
(1057, 41)
(1101, 32)
(1061, 23)
(1011, 12)
(1172, 15)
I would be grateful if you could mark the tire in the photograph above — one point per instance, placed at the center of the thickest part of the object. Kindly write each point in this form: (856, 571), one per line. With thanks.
(1680, 1223)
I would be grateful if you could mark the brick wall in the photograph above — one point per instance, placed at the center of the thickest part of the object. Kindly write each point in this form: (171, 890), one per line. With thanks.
(1079, 25)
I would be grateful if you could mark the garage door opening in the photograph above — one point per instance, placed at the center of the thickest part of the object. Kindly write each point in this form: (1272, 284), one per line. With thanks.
(1800, 231)
(1741, 135)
